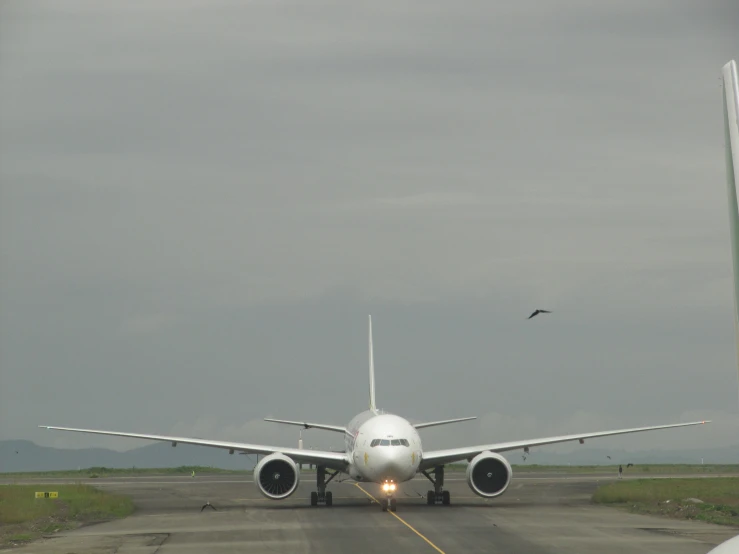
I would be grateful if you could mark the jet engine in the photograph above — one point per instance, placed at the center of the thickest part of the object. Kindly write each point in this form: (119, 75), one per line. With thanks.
(276, 476)
(489, 474)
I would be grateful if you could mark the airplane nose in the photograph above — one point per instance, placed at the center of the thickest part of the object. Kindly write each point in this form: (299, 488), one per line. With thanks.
(393, 469)
(394, 466)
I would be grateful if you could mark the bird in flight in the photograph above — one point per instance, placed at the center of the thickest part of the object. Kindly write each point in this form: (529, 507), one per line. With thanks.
(537, 312)
(208, 505)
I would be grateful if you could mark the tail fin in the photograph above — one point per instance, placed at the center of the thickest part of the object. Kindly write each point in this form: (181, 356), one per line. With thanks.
(372, 405)
(731, 134)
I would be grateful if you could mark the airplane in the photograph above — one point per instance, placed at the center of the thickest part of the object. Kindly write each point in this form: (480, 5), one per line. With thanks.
(382, 448)
(731, 136)
(730, 97)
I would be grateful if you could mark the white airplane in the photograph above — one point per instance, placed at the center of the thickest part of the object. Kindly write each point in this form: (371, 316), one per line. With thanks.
(379, 448)
(730, 82)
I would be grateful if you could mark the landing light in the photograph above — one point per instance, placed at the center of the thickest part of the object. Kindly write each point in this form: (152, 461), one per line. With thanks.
(388, 487)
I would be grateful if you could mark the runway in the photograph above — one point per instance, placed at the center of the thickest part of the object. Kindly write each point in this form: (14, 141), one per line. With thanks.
(540, 514)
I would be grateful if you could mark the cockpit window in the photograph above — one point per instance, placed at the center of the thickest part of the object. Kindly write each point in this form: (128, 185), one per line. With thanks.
(389, 442)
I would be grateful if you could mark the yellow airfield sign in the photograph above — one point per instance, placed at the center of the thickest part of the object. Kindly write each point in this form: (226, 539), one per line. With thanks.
(47, 495)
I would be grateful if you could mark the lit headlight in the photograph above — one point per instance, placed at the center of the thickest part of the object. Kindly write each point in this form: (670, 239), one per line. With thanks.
(388, 487)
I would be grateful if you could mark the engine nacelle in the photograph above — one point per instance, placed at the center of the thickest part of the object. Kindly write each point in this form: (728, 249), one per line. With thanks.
(276, 476)
(489, 474)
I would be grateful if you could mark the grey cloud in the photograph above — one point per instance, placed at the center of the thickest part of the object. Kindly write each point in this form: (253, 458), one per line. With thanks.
(200, 202)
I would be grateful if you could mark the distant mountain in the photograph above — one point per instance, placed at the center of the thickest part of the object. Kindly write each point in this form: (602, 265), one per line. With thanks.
(725, 455)
(32, 457)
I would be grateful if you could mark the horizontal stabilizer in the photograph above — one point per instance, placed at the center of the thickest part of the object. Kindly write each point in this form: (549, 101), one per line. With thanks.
(308, 425)
(444, 422)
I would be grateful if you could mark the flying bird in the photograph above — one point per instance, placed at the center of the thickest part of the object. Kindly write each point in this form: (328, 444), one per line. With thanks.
(537, 312)
(208, 505)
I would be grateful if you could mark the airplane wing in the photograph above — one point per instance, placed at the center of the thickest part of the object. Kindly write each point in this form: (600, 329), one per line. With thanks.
(333, 460)
(441, 457)
(308, 425)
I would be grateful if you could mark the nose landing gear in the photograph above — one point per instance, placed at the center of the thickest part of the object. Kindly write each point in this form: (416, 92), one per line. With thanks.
(389, 502)
(438, 495)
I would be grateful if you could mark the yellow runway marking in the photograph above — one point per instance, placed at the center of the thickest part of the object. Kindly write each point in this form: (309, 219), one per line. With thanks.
(401, 520)
(365, 492)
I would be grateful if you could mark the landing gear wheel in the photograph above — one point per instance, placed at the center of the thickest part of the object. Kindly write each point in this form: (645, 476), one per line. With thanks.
(383, 504)
(438, 495)
(393, 505)
(322, 496)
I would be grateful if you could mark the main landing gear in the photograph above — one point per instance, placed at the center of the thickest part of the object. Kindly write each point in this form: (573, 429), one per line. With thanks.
(322, 496)
(438, 495)
(388, 487)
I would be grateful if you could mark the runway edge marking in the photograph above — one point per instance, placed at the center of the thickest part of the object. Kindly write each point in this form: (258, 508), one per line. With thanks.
(401, 520)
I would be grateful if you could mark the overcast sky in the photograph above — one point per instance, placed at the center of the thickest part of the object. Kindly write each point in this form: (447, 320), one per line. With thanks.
(201, 201)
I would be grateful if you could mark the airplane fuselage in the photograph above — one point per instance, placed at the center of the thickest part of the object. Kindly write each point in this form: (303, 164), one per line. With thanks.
(382, 448)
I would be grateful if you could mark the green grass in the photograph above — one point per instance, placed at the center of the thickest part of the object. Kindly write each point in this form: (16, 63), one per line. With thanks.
(652, 469)
(668, 497)
(23, 515)
(21, 537)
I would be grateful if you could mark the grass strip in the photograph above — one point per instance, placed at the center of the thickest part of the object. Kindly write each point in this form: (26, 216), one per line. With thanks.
(652, 469)
(24, 518)
(711, 500)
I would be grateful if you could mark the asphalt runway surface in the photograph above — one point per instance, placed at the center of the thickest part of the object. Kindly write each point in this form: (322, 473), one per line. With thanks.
(538, 514)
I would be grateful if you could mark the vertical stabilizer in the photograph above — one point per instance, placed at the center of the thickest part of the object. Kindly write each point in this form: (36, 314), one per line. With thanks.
(731, 137)
(372, 405)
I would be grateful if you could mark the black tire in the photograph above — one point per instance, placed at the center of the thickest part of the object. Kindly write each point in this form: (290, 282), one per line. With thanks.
(383, 503)
(430, 498)
(314, 499)
(393, 505)
(329, 499)
(446, 498)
